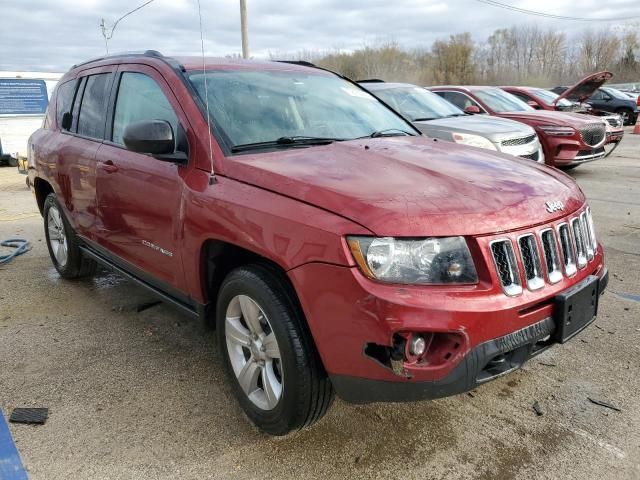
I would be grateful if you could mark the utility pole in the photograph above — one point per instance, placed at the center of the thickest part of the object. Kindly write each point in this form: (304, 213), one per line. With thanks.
(243, 27)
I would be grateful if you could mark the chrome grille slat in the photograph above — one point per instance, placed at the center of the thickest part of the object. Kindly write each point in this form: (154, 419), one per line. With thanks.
(566, 246)
(587, 235)
(592, 230)
(531, 261)
(506, 266)
(578, 237)
(552, 260)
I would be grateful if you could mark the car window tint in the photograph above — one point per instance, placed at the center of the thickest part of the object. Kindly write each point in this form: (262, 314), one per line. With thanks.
(459, 100)
(94, 106)
(140, 98)
(64, 98)
(521, 96)
(597, 95)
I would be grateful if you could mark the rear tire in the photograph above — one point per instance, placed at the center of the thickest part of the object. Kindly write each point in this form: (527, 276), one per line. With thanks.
(627, 116)
(268, 353)
(63, 243)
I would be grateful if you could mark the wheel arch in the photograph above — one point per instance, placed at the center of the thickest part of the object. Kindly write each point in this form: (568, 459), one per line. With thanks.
(42, 189)
(218, 258)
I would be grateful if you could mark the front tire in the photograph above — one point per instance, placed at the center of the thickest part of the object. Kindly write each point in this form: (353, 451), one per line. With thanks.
(63, 244)
(268, 353)
(13, 162)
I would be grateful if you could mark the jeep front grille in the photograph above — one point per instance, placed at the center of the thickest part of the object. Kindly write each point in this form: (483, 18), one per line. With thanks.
(593, 134)
(531, 262)
(511, 142)
(507, 267)
(546, 256)
(551, 258)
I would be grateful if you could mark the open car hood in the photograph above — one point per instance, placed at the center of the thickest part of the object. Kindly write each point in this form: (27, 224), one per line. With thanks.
(585, 87)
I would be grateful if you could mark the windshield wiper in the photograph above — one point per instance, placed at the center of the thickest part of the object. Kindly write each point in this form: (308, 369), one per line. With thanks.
(284, 142)
(456, 115)
(389, 132)
(423, 119)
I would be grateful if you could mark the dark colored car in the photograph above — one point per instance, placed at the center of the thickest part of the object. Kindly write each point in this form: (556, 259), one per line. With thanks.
(333, 248)
(437, 118)
(568, 139)
(611, 100)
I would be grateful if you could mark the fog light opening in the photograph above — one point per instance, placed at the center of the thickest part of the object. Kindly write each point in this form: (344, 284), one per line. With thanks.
(417, 345)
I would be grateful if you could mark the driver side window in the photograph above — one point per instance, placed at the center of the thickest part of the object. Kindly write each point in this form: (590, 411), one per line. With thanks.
(140, 98)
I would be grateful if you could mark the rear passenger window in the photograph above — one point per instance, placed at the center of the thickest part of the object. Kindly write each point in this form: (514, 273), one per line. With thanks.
(93, 109)
(140, 98)
(64, 99)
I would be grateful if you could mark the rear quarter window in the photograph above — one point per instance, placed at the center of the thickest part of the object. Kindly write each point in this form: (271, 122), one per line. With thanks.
(64, 99)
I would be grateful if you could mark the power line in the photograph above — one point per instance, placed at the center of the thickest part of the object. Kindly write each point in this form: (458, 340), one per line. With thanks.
(494, 3)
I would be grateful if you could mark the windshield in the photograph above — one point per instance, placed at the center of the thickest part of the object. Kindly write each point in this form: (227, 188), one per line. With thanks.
(500, 101)
(615, 93)
(417, 103)
(550, 97)
(250, 107)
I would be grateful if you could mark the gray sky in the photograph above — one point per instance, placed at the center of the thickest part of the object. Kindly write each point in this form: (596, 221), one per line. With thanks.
(53, 35)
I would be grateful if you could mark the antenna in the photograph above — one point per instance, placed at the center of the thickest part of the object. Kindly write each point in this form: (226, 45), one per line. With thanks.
(107, 32)
(212, 177)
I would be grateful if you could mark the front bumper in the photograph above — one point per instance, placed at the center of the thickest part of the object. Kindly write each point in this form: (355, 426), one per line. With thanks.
(355, 322)
(477, 367)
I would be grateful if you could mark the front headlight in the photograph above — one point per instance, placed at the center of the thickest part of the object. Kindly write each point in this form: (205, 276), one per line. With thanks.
(473, 140)
(557, 131)
(414, 261)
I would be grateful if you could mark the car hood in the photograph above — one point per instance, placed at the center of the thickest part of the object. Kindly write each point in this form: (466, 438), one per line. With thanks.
(585, 87)
(550, 117)
(492, 127)
(413, 186)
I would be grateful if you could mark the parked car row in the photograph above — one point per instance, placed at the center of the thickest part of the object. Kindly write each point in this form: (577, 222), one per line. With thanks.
(335, 248)
(568, 129)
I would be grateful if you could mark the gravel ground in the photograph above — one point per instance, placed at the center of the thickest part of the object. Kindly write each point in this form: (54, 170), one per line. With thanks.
(140, 395)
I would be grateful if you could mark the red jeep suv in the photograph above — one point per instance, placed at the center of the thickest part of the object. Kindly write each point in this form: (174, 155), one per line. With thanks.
(568, 139)
(333, 247)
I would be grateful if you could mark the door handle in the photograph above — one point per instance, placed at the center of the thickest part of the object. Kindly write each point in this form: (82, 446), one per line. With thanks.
(108, 166)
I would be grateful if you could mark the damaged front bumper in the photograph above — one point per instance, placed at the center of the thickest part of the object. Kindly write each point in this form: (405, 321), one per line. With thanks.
(487, 361)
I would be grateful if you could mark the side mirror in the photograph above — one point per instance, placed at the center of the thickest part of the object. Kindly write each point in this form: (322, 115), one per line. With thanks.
(67, 119)
(154, 137)
(533, 104)
(472, 110)
(606, 98)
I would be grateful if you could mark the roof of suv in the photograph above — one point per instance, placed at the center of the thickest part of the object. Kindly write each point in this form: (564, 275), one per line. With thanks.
(197, 62)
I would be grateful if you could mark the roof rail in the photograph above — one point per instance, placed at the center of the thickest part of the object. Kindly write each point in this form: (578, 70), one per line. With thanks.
(145, 53)
(370, 80)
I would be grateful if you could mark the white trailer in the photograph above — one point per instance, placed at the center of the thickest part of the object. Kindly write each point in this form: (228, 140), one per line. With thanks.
(24, 97)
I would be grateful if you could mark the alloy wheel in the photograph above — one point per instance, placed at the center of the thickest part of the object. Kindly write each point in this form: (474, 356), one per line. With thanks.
(253, 352)
(57, 236)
